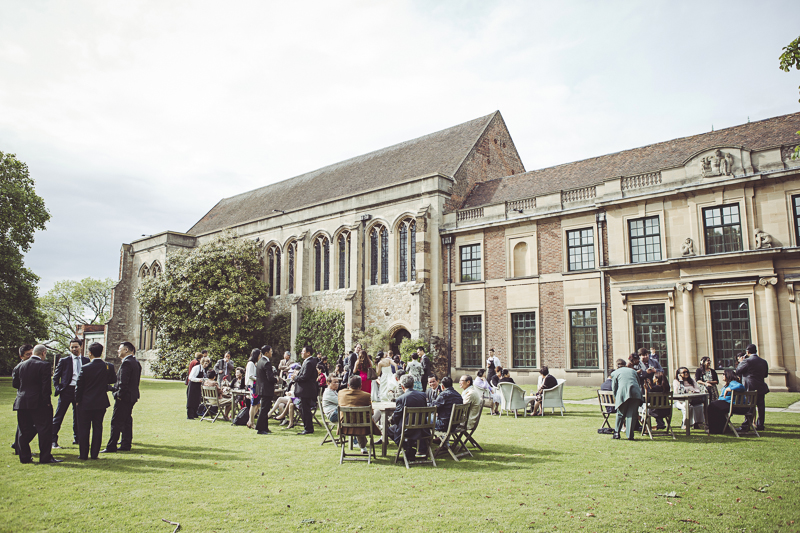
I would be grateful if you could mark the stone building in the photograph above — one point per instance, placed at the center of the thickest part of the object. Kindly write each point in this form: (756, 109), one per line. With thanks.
(689, 246)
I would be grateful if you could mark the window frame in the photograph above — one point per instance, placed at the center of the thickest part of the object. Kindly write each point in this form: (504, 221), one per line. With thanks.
(596, 344)
(515, 361)
(644, 238)
(794, 202)
(462, 338)
(581, 246)
(473, 261)
(738, 224)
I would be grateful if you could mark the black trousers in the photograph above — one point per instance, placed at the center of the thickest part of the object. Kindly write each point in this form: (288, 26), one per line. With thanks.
(121, 424)
(306, 404)
(33, 422)
(65, 399)
(90, 419)
(263, 420)
(760, 409)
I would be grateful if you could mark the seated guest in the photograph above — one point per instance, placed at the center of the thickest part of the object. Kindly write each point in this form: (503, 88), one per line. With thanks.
(409, 398)
(692, 413)
(338, 372)
(649, 364)
(353, 396)
(546, 381)
(287, 407)
(433, 389)
(330, 400)
(322, 378)
(487, 391)
(283, 366)
(660, 384)
(225, 403)
(707, 377)
(495, 378)
(506, 377)
(238, 382)
(473, 397)
(444, 403)
(718, 409)
(395, 389)
(635, 363)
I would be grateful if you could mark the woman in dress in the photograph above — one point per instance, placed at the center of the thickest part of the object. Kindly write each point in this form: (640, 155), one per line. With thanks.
(195, 396)
(546, 381)
(718, 410)
(706, 376)
(386, 370)
(362, 366)
(414, 369)
(685, 384)
(250, 381)
(660, 384)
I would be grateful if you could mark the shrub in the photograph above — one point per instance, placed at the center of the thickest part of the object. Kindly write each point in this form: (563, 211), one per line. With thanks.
(279, 336)
(409, 346)
(373, 340)
(324, 331)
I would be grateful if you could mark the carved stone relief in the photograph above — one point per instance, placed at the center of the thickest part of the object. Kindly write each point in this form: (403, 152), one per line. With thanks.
(763, 239)
(719, 164)
(687, 248)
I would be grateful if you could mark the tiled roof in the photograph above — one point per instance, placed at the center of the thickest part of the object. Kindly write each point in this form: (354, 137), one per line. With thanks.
(441, 152)
(759, 135)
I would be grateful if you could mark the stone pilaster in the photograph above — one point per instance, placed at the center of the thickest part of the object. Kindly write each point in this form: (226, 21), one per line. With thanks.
(777, 373)
(689, 356)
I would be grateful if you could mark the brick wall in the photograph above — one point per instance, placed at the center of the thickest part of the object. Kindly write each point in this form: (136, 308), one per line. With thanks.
(549, 247)
(494, 256)
(496, 324)
(551, 319)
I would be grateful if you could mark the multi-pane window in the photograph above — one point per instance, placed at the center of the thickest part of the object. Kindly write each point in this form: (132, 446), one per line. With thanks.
(147, 336)
(796, 213)
(322, 264)
(344, 260)
(650, 330)
(583, 338)
(723, 229)
(523, 339)
(291, 249)
(471, 341)
(471, 262)
(580, 249)
(274, 270)
(379, 255)
(730, 329)
(407, 250)
(645, 237)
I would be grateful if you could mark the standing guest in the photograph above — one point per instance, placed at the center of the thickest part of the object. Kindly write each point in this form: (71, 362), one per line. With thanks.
(398, 363)
(546, 381)
(473, 397)
(706, 376)
(433, 390)
(305, 388)
(265, 388)
(718, 410)
(353, 396)
(250, 381)
(627, 398)
(414, 369)
(427, 367)
(444, 403)
(692, 413)
(386, 370)
(492, 362)
(361, 369)
(330, 400)
(34, 409)
(126, 394)
(64, 380)
(409, 398)
(649, 364)
(283, 366)
(194, 362)
(25, 353)
(506, 378)
(635, 363)
(91, 398)
(198, 375)
(224, 368)
(754, 371)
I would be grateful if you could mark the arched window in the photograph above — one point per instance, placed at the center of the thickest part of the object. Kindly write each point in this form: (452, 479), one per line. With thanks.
(520, 259)
(407, 251)
(291, 251)
(344, 259)
(322, 263)
(274, 270)
(379, 255)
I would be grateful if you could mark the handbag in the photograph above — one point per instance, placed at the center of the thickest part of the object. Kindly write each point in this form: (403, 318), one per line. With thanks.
(372, 374)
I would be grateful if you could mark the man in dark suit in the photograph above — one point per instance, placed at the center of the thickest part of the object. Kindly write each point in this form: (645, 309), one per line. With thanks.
(409, 398)
(91, 398)
(34, 409)
(754, 371)
(126, 394)
(265, 389)
(427, 368)
(444, 403)
(305, 388)
(64, 380)
(25, 353)
(433, 389)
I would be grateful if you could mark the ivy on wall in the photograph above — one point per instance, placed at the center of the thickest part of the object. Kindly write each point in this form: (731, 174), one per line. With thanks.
(323, 329)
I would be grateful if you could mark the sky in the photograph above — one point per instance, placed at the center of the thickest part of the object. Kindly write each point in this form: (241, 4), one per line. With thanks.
(137, 117)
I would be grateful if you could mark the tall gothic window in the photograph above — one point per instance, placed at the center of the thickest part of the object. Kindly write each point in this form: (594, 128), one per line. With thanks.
(291, 250)
(379, 255)
(147, 336)
(322, 263)
(384, 256)
(274, 270)
(408, 250)
(344, 260)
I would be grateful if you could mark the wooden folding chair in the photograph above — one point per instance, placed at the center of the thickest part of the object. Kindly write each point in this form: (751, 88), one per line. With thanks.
(742, 403)
(659, 401)
(417, 418)
(328, 433)
(606, 400)
(456, 428)
(211, 398)
(468, 438)
(351, 420)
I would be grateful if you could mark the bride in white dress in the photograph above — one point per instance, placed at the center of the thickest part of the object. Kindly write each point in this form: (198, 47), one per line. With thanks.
(385, 369)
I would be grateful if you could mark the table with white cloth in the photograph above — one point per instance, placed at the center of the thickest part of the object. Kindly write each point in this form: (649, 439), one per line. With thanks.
(687, 397)
(237, 393)
(387, 408)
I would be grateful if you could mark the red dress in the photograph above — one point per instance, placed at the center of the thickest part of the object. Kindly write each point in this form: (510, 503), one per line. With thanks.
(366, 384)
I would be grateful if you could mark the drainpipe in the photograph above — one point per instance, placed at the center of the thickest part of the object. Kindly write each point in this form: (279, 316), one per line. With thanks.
(600, 218)
(364, 219)
(447, 240)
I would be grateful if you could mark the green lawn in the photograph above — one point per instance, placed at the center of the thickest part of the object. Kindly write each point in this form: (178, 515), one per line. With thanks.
(543, 474)
(781, 399)
(574, 392)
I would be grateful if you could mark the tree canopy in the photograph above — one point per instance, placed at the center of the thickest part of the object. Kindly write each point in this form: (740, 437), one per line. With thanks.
(22, 213)
(791, 58)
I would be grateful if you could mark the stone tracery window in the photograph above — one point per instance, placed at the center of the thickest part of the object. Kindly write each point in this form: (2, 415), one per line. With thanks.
(274, 270)
(322, 263)
(147, 336)
(379, 255)
(343, 243)
(407, 250)
(291, 252)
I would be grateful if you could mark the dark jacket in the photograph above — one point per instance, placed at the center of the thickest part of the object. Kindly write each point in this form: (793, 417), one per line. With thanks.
(625, 384)
(91, 392)
(549, 382)
(31, 378)
(127, 386)
(63, 375)
(305, 382)
(410, 398)
(427, 367)
(754, 372)
(265, 378)
(699, 373)
(444, 407)
(431, 394)
(224, 370)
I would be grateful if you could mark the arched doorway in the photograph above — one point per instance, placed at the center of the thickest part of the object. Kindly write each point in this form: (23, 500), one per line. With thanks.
(397, 338)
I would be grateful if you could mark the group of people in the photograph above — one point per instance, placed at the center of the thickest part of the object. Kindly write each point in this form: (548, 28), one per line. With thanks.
(82, 383)
(641, 374)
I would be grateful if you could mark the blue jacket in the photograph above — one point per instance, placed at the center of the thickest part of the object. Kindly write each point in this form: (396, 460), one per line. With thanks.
(444, 407)
(726, 392)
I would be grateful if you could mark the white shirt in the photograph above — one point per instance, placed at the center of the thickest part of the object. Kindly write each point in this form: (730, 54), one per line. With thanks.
(195, 373)
(494, 359)
(75, 369)
(250, 374)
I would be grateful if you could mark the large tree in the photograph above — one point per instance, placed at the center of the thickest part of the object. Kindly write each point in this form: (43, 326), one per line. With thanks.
(791, 58)
(70, 303)
(22, 212)
(211, 297)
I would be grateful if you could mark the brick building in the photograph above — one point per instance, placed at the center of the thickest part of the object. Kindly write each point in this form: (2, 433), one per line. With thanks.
(690, 246)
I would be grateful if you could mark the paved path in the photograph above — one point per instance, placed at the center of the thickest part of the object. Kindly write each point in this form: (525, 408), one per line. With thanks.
(794, 408)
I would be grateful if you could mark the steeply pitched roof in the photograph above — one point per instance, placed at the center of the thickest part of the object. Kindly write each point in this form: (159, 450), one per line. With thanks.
(441, 152)
(759, 135)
